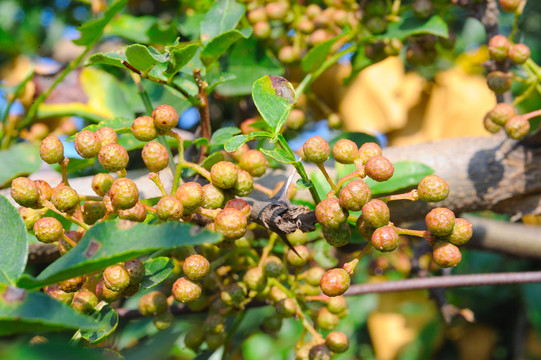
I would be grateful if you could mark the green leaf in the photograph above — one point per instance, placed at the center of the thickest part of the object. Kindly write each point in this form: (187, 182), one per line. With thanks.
(406, 174)
(180, 56)
(219, 45)
(143, 58)
(236, 141)
(248, 61)
(24, 311)
(318, 54)
(409, 25)
(111, 58)
(18, 160)
(110, 242)
(13, 242)
(107, 317)
(215, 81)
(92, 30)
(274, 97)
(221, 136)
(223, 16)
(304, 184)
(143, 29)
(279, 155)
(156, 271)
(120, 124)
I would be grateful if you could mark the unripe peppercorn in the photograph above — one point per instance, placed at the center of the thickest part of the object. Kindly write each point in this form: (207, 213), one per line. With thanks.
(254, 162)
(445, 254)
(105, 294)
(255, 279)
(295, 119)
(246, 126)
(116, 277)
(165, 117)
(288, 54)
(194, 337)
(29, 216)
(245, 183)
(106, 136)
(169, 208)
(337, 304)
(136, 213)
(241, 205)
(25, 192)
(461, 233)
(214, 341)
(335, 282)
(273, 266)
(87, 144)
(337, 342)
(196, 267)
(45, 191)
(298, 260)
(313, 275)
(376, 213)
(164, 320)
(155, 156)
(354, 195)
(60, 295)
(297, 237)
(286, 308)
(213, 197)
(257, 14)
(143, 128)
(48, 230)
(326, 319)
(124, 193)
(101, 183)
(190, 195)
(376, 25)
(433, 188)
(501, 113)
(73, 284)
(316, 150)
(337, 237)
(509, 5)
(51, 150)
(234, 294)
(136, 271)
(499, 82)
(519, 53)
(517, 127)
(84, 301)
(214, 324)
(498, 47)
(93, 211)
(113, 157)
(261, 29)
(365, 230)
(423, 9)
(231, 223)
(345, 151)
(491, 126)
(277, 10)
(64, 198)
(186, 291)
(330, 214)
(440, 221)
(224, 174)
(385, 238)
(153, 303)
(271, 324)
(379, 168)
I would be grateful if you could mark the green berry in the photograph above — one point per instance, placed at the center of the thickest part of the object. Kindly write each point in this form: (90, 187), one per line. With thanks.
(29, 216)
(461, 233)
(440, 221)
(224, 174)
(271, 324)
(326, 319)
(519, 53)
(124, 193)
(196, 267)
(337, 342)
(153, 303)
(423, 9)
(169, 208)
(186, 291)
(376, 213)
(93, 211)
(73, 284)
(337, 304)
(501, 113)
(337, 237)
(297, 237)
(48, 230)
(116, 277)
(300, 259)
(257, 14)
(136, 271)
(84, 301)
(491, 126)
(25, 192)
(354, 195)
(499, 82)
(376, 25)
(231, 223)
(87, 144)
(385, 238)
(255, 279)
(286, 308)
(509, 5)
(64, 198)
(113, 157)
(155, 156)
(316, 150)
(106, 136)
(190, 195)
(234, 294)
(105, 294)
(276, 294)
(101, 183)
(330, 214)
(64, 246)
(334, 120)
(433, 188)
(136, 213)
(273, 266)
(295, 119)
(345, 151)
(214, 341)
(254, 162)
(517, 127)
(213, 197)
(498, 47)
(364, 229)
(51, 150)
(313, 275)
(244, 185)
(288, 54)
(60, 295)
(446, 254)
(165, 117)
(335, 282)
(261, 29)
(143, 128)
(379, 168)
(194, 337)
(164, 320)
(214, 324)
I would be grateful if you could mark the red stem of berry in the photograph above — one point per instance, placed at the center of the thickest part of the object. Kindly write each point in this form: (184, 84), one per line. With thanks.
(327, 177)
(411, 195)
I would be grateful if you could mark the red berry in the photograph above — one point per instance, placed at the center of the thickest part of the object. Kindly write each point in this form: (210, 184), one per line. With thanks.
(345, 151)
(245, 183)
(355, 195)
(379, 168)
(186, 291)
(155, 156)
(169, 208)
(376, 213)
(440, 221)
(385, 238)
(116, 277)
(190, 195)
(517, 127)
(247, 128)
(124, 194)
(445, 254)
(433, 188)
(335, 282)
(87, 144)
(316, 150)
(196, 267)
(501, 113)
(45, 191)
(113, 157)
(295, 119)
(51, 150)
(330, 214)
(165, 117)
(300, 259)
(48, 230)
(136, 213)
(231, 223)
(277, 10)
(107, 136)
(153, 303)
(461, 233)
(498, 47)
(254, 162)
(25, 192)
(261, 29)
(213, 197)
(143, 128)
(241, 205)
(224, 174)
(519, 53)
(64, 198)
(509, 5)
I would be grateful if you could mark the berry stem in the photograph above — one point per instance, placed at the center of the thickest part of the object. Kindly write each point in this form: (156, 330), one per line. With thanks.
(68, 217)
(417, 233)
(68, 240)
(211, 213)
(265, 190)
(411, 195)
(149, 209)
(532, 114)
(343, 180)
(155, 177)
(178, 170)
(64, 170)
(121, 173)
(318, 298)
(198, 169)
(350, 266)
(335, 189)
